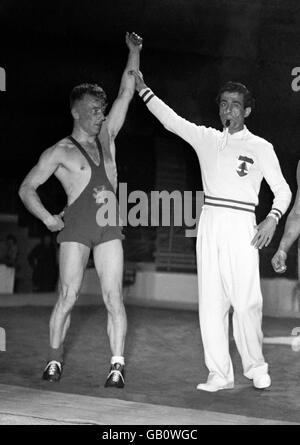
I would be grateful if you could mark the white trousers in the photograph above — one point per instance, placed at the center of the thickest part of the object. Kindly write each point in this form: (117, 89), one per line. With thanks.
(228, 275)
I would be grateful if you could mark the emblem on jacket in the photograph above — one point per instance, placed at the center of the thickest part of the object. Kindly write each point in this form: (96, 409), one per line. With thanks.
(243, 165)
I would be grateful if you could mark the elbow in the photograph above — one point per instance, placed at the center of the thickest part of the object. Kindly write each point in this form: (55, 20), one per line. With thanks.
(286, 192)
(22, 192)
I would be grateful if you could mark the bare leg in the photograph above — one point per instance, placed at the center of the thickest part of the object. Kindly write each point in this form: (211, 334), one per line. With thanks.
(73, 259)
(108, 259)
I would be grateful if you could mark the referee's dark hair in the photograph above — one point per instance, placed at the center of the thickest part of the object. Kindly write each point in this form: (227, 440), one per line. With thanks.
(237, 87)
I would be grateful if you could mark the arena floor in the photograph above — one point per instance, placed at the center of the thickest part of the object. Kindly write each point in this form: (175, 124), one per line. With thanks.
(164, 359)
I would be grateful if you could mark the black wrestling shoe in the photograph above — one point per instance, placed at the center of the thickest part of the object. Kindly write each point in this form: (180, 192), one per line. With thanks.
(116, 376)
(53, 371)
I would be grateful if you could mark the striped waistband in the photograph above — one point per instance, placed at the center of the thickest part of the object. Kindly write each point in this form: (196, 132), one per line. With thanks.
(229, 203)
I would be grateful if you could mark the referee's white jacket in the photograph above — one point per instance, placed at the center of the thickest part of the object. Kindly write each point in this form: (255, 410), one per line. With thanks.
(232, 166)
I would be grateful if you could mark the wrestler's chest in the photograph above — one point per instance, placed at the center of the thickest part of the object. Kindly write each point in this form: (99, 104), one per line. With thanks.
(79, 164)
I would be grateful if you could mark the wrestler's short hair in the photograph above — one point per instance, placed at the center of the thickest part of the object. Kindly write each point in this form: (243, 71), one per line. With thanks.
(237, 87)
(91, 89)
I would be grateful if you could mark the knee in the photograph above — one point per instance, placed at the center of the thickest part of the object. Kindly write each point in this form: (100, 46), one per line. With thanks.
(67, 298)
(113, 301)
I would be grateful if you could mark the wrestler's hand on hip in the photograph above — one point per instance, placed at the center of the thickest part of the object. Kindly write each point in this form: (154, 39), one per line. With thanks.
(54, 223)
(278, 261)
(265, 232)
(139, 80)
(133, 41)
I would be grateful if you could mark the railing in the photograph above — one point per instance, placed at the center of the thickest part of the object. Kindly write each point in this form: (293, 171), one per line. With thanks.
(175, 261)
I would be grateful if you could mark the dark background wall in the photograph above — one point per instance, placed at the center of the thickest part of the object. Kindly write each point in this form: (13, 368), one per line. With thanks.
(190, 48)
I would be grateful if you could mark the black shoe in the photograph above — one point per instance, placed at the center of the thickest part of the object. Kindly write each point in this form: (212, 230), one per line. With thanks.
(116, 376)
(53, 371)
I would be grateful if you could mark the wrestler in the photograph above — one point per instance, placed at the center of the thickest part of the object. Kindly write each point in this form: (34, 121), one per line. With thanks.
(85, 165)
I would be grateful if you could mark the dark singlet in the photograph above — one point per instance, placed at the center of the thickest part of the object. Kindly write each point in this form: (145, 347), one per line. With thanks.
(80, 217)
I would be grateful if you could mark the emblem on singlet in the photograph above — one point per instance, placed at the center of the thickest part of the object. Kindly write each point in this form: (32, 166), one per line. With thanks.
(100, 194)
(243, 165)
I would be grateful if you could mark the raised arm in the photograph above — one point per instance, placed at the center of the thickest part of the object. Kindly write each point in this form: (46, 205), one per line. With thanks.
(291, 232)
(188, 131)
(117, 114)
(39, 174)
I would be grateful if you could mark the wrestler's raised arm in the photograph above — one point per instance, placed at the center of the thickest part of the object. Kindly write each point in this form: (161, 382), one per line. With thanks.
(117, 114)
(46, 166)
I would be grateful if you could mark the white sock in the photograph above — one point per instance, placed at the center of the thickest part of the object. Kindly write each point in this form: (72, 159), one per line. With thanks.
(117, 359)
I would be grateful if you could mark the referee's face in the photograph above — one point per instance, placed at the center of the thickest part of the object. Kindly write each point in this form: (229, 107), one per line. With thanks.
(231, 107)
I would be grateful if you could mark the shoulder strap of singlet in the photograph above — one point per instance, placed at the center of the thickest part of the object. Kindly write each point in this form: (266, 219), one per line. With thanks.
(82, 150)
(99, 147)
(79, 147)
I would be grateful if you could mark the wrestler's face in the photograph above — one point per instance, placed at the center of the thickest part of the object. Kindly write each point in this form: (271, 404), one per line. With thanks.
(231, 107)
(89, 114)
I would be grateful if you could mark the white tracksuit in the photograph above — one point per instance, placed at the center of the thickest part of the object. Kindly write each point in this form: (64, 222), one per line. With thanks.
(232, 168)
